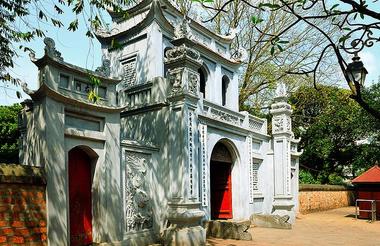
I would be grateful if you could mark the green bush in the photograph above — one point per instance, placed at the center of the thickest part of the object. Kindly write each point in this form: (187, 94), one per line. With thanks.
(305, 177)
(9, 133)
(335, 179)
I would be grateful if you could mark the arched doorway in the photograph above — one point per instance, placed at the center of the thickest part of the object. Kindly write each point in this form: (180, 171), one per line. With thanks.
(220, 182)
(80, 199)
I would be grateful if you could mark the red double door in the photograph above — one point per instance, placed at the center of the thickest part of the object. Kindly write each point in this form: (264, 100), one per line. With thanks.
(221, 190)
(80, 202)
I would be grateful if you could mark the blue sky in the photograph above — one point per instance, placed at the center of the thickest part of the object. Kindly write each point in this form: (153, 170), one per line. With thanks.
(76, 48)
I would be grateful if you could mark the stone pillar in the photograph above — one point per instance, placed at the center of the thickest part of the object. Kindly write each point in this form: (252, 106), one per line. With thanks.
(184, 213)
(282, 135)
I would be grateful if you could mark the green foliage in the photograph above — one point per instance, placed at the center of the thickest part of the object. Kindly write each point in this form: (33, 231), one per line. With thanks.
(305, 177)
(336, 179)
(14, 12)
(338, 137)
(9, 133)
(9, 11)
(92, 95)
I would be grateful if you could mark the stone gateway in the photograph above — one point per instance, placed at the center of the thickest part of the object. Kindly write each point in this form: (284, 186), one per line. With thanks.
(164, 149)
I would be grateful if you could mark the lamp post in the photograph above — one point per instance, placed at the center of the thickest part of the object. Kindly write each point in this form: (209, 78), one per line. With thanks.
(356, 73)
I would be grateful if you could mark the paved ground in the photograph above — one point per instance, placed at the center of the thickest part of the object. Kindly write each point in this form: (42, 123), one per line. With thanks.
(333, 227)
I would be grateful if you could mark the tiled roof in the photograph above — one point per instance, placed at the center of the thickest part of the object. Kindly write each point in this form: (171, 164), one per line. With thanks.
(370, 176)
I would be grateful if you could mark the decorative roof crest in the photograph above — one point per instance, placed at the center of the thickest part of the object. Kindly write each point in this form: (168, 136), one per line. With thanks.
(26, 89)
(105, 68)
(50, 49)
(182, 29)
(179, 52)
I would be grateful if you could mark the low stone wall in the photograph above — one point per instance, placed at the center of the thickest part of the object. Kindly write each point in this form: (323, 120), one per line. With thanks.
(314, 198)
(22, 205)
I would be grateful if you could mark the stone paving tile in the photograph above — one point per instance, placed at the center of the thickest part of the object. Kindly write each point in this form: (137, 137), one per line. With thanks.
(328, 228)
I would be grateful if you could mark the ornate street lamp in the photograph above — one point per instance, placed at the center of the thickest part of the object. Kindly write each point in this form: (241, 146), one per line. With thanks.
(356, 72)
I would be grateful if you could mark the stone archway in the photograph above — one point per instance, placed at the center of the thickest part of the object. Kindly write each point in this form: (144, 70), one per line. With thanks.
(80, 196)
(221, 182)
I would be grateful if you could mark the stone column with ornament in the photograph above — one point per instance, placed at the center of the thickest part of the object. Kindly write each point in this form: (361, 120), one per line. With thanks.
(184, 215)
(282, 134)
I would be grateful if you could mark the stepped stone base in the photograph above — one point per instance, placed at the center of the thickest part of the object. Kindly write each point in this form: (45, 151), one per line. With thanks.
(271, 221)
(225, 229)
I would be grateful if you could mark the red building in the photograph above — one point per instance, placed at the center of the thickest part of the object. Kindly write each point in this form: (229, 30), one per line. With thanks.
(368, 187)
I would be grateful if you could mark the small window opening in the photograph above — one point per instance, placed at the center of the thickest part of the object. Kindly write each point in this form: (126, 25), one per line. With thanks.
(102, 91)
(165, 67)
(225, 82)
(64, 81)
(202, 81)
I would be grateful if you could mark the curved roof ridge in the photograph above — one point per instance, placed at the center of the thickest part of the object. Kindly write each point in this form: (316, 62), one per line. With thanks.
(132, 10)
(150, 16)
(145, 3)
(218, 37)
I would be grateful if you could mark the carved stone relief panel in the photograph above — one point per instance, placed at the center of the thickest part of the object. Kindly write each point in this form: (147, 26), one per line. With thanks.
(223, 116)
(138, 209)
(281, 124)
(175, 78)
(193, 79)
(278, 124)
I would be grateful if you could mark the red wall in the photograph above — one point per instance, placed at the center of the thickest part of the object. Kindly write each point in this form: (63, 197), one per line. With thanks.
(370, 192)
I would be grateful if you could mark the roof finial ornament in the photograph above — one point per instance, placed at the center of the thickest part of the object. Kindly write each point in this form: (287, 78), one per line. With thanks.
(26, 89)
(182, 30)
(281, 90)
(105, 68)
(50, 49)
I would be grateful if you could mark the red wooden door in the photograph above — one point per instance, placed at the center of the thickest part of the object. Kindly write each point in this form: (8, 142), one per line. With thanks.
(221, 192)
(80, 203)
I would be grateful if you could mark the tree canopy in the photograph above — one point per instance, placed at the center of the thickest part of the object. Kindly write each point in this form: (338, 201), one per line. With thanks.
(9, 133)
(263, 63)
(339, 138)
(358, 22)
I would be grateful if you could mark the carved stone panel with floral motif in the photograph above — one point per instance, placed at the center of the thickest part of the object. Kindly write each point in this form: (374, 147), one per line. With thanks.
(139, 215)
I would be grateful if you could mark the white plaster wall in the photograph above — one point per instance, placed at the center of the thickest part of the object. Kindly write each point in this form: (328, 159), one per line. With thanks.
(263, 200)
(139, 48)
(149, 53)
(55, 167)
(140, 127)
(52, 78)
(53, 146)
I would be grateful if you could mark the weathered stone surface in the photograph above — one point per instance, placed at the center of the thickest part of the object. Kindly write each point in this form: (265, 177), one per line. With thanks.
(271, 221)
(229, 229)
(187, 236)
